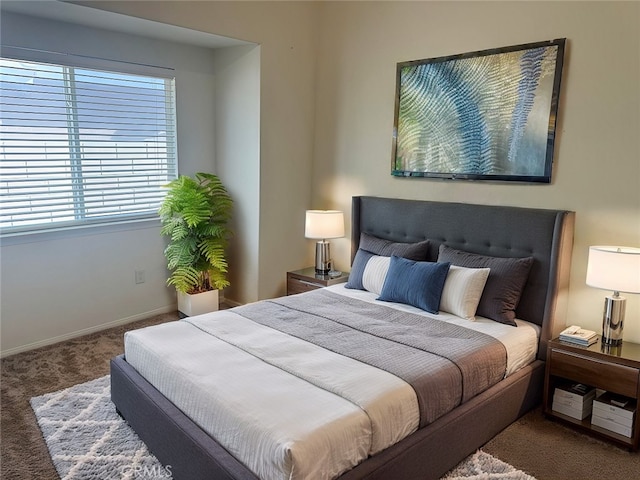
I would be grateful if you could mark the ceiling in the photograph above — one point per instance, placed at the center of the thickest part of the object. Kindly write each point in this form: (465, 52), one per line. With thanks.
(92, 17)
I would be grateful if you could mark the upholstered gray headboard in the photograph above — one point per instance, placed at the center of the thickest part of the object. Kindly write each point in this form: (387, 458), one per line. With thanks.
(546, 235)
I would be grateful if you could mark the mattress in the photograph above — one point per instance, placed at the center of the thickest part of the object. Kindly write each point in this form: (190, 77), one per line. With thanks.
(283, 406)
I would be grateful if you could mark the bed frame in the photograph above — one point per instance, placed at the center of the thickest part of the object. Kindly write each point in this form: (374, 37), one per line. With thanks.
(547, 235)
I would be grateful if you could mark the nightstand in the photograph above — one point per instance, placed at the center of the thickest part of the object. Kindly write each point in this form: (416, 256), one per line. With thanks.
(614, 369)
(306, 280)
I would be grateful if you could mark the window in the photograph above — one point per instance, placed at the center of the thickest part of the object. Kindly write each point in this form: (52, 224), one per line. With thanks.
(81, 146)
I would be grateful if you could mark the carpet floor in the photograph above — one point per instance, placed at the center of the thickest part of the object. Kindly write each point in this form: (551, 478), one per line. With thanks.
(533, 444)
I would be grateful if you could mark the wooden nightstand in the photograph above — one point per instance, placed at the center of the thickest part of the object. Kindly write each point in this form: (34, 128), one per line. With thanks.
(306, 280)
(616, 370)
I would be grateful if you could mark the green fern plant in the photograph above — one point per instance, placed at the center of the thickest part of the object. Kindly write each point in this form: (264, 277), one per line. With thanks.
(195, 215)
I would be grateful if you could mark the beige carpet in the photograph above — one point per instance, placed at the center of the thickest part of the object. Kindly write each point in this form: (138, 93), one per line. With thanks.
(550, 451)
(535, 445)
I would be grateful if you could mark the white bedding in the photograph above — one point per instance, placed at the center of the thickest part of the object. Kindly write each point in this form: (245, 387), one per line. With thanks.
(315, 416)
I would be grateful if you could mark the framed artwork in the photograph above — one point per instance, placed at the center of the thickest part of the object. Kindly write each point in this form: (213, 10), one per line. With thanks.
(486, 115)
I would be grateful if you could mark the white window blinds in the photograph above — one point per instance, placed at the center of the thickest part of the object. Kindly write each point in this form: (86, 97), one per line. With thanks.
(82, 146)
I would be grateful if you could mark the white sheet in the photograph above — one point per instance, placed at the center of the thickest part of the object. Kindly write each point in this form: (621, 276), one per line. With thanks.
(218, 369)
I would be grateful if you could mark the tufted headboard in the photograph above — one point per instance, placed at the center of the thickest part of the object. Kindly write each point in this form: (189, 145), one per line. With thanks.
(500, 231)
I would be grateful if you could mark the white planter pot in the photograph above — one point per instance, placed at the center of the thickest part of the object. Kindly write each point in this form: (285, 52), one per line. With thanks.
(191, 305)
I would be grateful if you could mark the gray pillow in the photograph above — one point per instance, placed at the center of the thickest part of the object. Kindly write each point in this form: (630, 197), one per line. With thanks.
(370, 246)
(379, 246)
(507, 278)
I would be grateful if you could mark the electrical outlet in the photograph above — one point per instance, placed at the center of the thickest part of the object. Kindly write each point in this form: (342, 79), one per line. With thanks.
(140, 276)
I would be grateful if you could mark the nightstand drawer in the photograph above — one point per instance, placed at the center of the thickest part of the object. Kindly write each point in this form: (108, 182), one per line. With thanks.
(592, 371)
(299, 285)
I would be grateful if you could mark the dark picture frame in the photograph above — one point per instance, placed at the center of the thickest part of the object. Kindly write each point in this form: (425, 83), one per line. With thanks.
(484, 115)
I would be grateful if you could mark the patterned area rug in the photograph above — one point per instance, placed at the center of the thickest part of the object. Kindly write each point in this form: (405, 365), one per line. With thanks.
(88, 440)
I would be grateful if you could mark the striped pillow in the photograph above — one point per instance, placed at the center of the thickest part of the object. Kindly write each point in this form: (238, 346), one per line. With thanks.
(462, 291)
(374, 273)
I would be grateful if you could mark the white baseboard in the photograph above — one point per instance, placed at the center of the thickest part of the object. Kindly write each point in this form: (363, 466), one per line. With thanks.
(231, 303)
(87, 331)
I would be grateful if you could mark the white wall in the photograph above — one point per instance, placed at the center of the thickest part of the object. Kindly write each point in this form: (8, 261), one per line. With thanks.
(237, 146)
(74, 283)
(58, 285)
(597, 161)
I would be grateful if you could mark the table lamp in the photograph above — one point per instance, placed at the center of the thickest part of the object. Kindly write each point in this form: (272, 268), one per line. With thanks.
(617, 269)
(321, 225)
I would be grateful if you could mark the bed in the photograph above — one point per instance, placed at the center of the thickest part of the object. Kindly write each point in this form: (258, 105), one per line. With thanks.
(419, 445)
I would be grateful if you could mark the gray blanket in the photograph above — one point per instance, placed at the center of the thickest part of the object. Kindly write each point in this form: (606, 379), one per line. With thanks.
(445, 364)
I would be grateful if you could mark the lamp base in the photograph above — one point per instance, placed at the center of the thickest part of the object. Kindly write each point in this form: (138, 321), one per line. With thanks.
(323, 258)
(615, 350)
(613, 319)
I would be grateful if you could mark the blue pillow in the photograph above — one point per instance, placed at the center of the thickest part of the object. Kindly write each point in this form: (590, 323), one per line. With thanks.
(357, 269)
(415, 283)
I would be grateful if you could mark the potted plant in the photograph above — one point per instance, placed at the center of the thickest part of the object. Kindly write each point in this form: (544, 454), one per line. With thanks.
(195, 215)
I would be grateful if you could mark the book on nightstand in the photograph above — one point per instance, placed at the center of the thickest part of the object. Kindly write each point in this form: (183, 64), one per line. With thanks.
(574, 400)
(578, 336)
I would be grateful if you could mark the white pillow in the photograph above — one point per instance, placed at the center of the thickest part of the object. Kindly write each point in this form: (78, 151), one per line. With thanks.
(462, 291)
(374, 273)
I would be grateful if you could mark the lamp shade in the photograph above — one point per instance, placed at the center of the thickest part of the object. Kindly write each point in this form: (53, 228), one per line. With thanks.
(322, 224)
(614, 268)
